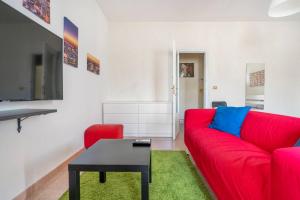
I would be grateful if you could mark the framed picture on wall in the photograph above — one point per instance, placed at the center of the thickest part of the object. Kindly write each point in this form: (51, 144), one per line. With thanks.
(186, 70)
(40, 8)
(70, 43)
(93, 64)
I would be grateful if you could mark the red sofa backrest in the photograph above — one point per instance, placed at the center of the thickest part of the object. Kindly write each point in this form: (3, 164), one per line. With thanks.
(198, 118)
(270, 131)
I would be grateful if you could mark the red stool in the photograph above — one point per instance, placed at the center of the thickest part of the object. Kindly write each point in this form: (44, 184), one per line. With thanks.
(102, 131)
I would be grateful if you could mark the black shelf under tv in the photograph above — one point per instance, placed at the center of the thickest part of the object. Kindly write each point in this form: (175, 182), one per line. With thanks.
(22, 114)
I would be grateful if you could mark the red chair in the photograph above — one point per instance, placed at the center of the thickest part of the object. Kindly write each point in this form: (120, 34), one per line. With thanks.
(102, 131)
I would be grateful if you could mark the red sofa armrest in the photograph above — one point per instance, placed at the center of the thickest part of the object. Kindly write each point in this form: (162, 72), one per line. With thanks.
(198, 118)
(285, 178)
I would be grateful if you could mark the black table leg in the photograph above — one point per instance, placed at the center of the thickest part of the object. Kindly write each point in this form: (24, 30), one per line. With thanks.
(74, 185)
(150, 169)
(145, 184)
(102, 177)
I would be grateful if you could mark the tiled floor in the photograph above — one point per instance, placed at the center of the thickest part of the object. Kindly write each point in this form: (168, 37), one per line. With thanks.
(53, 188)
(168, 144)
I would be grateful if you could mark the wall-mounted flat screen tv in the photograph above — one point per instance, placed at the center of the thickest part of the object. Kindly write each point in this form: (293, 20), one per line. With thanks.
(31, 65)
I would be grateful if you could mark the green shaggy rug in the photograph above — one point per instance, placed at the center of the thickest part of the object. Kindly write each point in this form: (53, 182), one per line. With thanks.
(173, 178)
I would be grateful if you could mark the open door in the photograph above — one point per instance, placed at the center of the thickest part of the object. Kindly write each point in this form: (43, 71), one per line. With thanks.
(175, 92)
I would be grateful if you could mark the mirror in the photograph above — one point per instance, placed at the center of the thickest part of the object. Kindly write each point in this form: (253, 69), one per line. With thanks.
(255, 86)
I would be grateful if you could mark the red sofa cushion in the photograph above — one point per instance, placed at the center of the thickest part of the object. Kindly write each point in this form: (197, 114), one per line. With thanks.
(270, 131)
(102, 131)
(286, 174)
(234, 169)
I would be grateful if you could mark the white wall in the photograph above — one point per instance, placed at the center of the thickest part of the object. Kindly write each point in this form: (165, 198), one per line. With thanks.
(191, 88)
(140, 59)
(48, 140)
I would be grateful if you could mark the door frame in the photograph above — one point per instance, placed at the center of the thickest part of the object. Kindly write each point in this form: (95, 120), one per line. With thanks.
(205, 84)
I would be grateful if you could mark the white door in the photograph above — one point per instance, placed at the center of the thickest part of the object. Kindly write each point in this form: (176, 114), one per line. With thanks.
(175, 92)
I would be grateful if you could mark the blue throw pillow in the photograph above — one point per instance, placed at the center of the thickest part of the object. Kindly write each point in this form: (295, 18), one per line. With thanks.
(297, 144)
(230, 119)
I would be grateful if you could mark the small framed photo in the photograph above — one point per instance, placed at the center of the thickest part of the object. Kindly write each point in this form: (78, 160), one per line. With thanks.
(186, 70)
(93, 64)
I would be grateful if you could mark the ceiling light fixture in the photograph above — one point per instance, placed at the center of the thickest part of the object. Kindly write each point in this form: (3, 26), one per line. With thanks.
(282, 8)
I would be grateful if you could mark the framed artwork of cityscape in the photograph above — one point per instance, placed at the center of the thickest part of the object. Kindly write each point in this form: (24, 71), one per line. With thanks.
(40, 8)
(70, 43)
(93, 64)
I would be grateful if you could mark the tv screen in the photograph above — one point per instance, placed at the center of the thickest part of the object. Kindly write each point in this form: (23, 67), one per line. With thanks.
(30, 59)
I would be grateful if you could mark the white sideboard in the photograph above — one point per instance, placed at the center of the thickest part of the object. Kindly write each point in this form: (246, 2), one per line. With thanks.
(140, 119)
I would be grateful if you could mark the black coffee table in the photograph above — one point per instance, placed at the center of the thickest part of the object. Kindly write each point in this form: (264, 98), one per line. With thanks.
(111, 156)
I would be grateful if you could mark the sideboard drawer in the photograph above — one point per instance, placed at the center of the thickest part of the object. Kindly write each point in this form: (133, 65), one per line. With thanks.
(118, 108)
(155, 118)
(155, 128)
(157, 108)
(121, 118)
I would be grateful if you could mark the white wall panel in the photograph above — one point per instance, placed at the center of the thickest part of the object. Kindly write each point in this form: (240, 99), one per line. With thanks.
(143, 51)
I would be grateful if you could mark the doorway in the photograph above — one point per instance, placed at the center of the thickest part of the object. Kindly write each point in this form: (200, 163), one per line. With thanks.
(191, 81)
(188, 84)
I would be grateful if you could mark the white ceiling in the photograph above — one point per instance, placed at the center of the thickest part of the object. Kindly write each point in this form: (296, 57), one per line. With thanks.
(188, 10)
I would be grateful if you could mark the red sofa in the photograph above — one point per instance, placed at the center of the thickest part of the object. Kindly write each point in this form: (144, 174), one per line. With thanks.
(260, 165)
